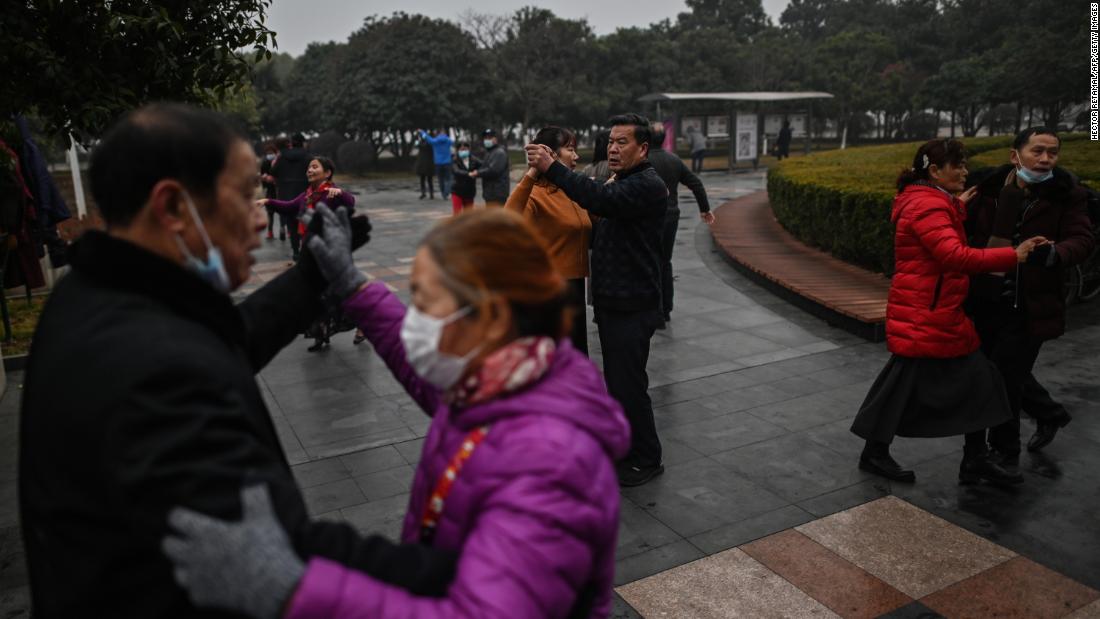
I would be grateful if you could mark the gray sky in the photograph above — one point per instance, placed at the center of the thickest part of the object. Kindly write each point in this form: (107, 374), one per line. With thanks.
(301, 22)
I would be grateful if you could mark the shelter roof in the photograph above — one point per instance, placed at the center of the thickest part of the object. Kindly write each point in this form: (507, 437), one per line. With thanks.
(734, 96)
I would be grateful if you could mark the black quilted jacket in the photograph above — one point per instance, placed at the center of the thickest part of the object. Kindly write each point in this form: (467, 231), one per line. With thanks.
(626, 233)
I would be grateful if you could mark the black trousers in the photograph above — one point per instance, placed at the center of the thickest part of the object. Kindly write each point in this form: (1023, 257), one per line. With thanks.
(697, 161)
(668, 243)
(1005, 340)
(1037, 403)
(427, 180)
(579, 334)
(295, 238)
(624, 338)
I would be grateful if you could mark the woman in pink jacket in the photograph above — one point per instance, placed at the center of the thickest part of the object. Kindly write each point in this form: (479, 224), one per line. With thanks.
(516, 474)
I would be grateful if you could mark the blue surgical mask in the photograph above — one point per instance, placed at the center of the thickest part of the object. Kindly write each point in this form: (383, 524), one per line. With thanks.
(212, 270)
(1032, 177)
(488, 144)
(270, 156)
(463, 154)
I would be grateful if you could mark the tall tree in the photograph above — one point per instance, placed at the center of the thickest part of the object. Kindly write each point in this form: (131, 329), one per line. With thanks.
(78, 65)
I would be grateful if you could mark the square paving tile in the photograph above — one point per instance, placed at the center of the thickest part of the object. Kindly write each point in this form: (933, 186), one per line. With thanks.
(1016, 588)
(1091, 611)
(724, 432)
(640, 532)
(908, 548)
(844, 588)
(728, 584)
(700, 495)
(743, 531)
(793, 466)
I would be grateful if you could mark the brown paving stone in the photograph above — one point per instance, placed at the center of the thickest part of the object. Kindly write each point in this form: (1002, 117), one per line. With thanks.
(1017, 588)
(905, 546)
(835, 582)
(728, 584)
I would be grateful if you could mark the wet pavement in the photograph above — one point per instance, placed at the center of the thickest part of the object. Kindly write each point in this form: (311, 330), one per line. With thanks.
(753, 400)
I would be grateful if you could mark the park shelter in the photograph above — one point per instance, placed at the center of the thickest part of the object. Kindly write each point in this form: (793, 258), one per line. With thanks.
(759, 99)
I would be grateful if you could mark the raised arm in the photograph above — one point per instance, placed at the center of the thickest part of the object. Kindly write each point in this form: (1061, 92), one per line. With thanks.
(521, 195)
(618, 200)
(379, 313)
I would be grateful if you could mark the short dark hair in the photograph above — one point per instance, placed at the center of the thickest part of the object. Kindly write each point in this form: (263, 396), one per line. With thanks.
(282, 143)
(1023, 137)
(599, 152)
(461, 144)
(555, 137)
(297, 140)
(938, 152)
(156, 142)
(326, 164)
(642, 133)
(657, 137)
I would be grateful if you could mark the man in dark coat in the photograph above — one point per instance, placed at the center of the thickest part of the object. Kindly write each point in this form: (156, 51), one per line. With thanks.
(493, 171)
(626, 275)
(1017, 312)
(140, 391)
(673, 172)
(289, 171)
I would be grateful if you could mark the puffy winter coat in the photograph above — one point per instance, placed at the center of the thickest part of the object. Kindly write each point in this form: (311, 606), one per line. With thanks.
(534, 512)
(924, 309)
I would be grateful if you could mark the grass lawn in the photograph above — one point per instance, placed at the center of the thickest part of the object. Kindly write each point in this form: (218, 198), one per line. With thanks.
(24, 319)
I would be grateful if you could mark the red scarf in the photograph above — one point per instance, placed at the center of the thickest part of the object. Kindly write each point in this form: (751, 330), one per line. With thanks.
(315, 196)
(513, 367)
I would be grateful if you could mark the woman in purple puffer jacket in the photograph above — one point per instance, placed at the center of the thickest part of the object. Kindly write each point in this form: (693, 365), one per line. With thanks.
(516, 474)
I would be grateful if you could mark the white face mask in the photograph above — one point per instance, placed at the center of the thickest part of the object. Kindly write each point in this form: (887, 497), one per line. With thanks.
(420, 334)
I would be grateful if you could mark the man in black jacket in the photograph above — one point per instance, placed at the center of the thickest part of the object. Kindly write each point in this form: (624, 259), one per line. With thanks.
(673, 172)
(629, 217)
(289, 170)
(140, 391)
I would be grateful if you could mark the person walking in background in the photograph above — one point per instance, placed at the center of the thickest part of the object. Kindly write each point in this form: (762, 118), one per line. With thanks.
(598, 170)
(937, 382)
(517, 473)
(465, 187)
(321, 190)
(673, 172)
(268, 183)
(494, 171)
(697, 146)
(289, 171)
(425, 169)
(626, 274)
(563, 224)
(1017, 311)
(441, 154)
(783, 141)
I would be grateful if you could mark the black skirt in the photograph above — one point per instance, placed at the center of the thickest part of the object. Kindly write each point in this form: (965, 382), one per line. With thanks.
(930, 398)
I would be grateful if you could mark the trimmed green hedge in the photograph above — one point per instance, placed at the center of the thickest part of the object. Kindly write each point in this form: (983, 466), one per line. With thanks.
(840, 200)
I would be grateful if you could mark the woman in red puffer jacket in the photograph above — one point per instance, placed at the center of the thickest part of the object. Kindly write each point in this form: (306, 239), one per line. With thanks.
(937, 383)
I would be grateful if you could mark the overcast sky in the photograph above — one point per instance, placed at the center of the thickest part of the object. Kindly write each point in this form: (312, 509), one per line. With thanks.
(301, 22)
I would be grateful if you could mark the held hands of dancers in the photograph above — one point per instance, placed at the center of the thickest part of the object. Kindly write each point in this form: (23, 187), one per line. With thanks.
(539, 156)
(1024, 249)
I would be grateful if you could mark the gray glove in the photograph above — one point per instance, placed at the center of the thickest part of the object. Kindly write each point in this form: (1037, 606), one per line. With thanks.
(247, 567)
(332, 251)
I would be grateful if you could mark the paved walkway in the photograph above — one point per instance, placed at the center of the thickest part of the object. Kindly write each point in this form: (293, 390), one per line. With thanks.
(754, 398)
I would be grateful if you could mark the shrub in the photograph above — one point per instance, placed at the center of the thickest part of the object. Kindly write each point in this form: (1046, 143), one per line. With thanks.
(840, 200)
(355, 157)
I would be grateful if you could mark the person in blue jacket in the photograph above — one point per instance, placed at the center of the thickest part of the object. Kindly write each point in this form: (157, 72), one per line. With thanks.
(441, 152)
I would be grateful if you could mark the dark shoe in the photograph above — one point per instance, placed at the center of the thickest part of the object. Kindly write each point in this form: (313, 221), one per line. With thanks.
(318, 346)
(974, 470)
(282, 237)
(1045, 431)
(422, 196)
(630, 475)
(1007, 460)
(662, 326)
(885, 466)
(359, 339)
